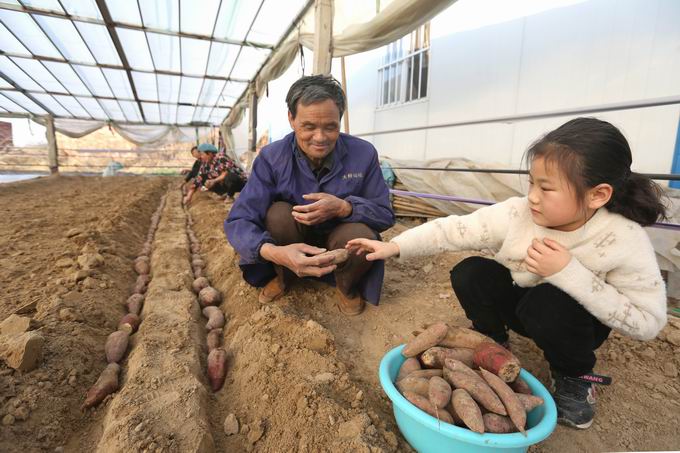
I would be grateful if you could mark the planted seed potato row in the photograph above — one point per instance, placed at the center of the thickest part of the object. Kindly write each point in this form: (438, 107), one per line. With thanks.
(117, 342)
(209, 298)
(465, 378)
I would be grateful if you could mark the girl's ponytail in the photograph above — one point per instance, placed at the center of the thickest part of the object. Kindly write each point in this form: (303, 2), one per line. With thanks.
(638, 199)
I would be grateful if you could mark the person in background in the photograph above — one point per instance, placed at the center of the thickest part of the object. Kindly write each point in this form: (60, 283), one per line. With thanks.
(217, 173)
(313, 190)
(572, 260)
(191, 174)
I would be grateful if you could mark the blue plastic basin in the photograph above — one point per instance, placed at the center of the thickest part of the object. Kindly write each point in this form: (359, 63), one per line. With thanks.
(428, 435)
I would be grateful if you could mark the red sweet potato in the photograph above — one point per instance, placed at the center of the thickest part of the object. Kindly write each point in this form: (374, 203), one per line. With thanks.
(339, 255)
(498, 360)
(499, 424)
(425, 340)
(198, 263)
(199, 284)
(134, 303)
(519, 385)
(467, 410)
(410, 364)
(215, 317)
(141, 284)
(425, 405)
(513, 406)
(421, 386)
(130, 320)
(425, 373)
(529, 402)
(461, 337)
(214, 339)
(116, 345)
(198, 272)
(476, 387)
(439, 392)
(195, 247)
(217, 368)
(142, 265)
(435, 356)
(105, 385)
(209, 296)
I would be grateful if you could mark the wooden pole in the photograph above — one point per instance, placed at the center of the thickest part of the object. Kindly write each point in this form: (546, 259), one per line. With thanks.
(52, 155)
(252, 124)
(344, 88)
(323, 36)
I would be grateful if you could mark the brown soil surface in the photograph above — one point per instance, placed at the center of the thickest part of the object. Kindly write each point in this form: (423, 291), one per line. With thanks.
(301, 377)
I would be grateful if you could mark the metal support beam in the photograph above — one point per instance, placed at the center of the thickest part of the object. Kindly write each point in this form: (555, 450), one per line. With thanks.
(52, 152)
(104, 10)
(344, 88)
(323, 36)
(252, 124)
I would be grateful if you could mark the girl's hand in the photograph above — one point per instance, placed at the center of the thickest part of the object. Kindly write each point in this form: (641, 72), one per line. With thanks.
(546, 257)
(376, 250)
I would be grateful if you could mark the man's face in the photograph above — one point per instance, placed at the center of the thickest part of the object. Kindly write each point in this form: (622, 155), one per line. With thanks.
(316, 128)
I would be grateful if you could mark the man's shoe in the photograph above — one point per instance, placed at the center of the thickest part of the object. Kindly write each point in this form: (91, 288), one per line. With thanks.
(574, 399)
(272, 291)
(349, 307)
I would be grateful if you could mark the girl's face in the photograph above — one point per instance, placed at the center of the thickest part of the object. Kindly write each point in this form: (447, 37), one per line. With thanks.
(552, 200)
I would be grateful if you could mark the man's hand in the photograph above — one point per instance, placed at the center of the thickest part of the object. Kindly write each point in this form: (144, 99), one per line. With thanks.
(546, 257)
(325, 207)
(295, 257)
(210, 183)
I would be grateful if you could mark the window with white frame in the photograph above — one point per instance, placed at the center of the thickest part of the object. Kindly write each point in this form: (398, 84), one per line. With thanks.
(402, 77)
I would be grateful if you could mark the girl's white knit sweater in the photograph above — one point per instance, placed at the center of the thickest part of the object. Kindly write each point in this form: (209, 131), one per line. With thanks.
(613, 271)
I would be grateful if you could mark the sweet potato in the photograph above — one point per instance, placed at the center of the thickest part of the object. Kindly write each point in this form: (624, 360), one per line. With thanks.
(141, 284)
(116, 345)
(498, 360)
(425, 373)
(425, 340)
(195, 247)
(499, 424)
(421, 386)
(467, 410)
(439, 392)
(513, 406)
(105, 385)
(477, 388)
(209, 296)
(197, 263)
(410, 364)
(199, 284)
(529, 401)
(198, 272)
(435, 356)
(215, 317)
(217, 368)
(130, 320)
(134, 303)
(425, 405)
(142, 266)
(196, 256)
(339, 255)
(214, 339)
(519, 385)
(460, 337)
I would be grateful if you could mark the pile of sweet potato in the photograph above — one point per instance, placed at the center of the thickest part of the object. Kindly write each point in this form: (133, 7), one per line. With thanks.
(464, 378)
(209, 298)
(117, 343)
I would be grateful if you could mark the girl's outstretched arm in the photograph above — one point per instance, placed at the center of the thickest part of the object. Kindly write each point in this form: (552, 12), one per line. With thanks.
(376, 250)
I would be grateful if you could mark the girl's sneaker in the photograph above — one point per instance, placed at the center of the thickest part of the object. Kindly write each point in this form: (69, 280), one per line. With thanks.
(574, 399)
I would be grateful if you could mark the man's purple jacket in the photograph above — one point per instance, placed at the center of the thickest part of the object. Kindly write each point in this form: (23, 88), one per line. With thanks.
(281, 175)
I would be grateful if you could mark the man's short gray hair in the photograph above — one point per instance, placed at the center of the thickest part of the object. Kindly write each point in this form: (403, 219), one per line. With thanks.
(316, 88)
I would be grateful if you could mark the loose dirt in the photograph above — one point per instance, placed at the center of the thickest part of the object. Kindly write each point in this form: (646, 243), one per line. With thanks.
(301, 376)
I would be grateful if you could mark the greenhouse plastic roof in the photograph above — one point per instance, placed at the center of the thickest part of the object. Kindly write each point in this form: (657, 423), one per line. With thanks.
(174, 62)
